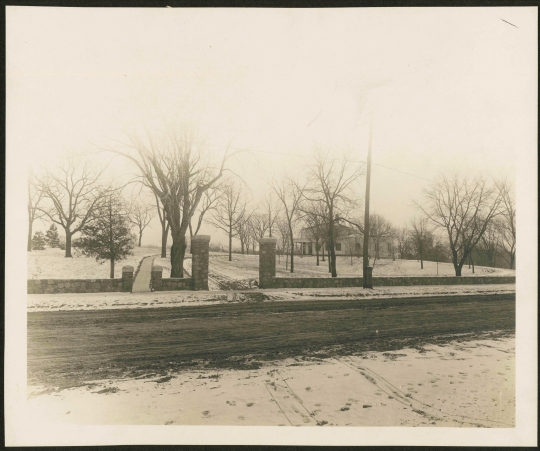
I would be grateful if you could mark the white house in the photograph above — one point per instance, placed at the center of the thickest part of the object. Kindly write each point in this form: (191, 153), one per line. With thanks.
(348, 241)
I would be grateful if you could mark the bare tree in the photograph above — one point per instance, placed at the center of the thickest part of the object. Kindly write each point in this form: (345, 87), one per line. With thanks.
(73, 193)
(140, 215)
(249, 237)
(35, 196)
(380, 230)
(283, 240)
(316, 219)
(438, 250)
(229, 211)
(507, 223)
(272, 208)
(421, 237)
(290, 194)
(464, 208)
(330, 180)
(164, 226)
(352, 247)
(175, 169)
(402, 236)
(208, 203)
(259, 225)
(486, 249)
(243, 230)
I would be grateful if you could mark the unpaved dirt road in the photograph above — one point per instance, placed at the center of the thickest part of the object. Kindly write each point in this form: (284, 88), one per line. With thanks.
(67, 348)
(462, 383)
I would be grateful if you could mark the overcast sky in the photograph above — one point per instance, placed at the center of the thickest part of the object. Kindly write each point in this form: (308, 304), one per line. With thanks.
(451, 89)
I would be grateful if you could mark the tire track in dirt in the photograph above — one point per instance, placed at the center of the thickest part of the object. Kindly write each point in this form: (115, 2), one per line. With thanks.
(417, 406)
(289, 403)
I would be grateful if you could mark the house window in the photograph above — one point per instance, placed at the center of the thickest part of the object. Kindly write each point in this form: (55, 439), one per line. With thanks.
(338, 246)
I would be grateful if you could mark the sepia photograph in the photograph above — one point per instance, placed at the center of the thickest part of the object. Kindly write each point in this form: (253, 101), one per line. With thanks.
(304, 226)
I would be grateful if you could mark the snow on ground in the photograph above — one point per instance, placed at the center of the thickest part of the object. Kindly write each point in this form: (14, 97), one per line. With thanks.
(458, 384)
(98, 301)
(51, 264)
(247, 266)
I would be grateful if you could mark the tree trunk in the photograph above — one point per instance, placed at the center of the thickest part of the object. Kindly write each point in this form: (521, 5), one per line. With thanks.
(140, 238)
(112, 268)
(190, 237)
(332, 250)
(322, 245)
(292, 250)
(333, 260)
(329, 260)
(68, 245)
(512, 260)
(421, 263)
(164, 236)
(242, 246)
(29, 247)
(472, 262)
(317, 250)
(178, 251)
(457, 266)
(230, 242)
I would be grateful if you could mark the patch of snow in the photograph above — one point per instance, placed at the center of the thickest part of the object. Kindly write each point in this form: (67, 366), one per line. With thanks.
(51, 264)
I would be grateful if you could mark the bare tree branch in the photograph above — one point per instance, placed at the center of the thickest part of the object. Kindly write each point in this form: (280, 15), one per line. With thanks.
(464, 208)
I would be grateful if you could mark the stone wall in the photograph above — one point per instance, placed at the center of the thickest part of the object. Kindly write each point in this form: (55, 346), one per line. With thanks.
(340, 282)
(51, 286)
(157, 283)
(199, 269)
(200, 254)
(267, 262)
(442, 280)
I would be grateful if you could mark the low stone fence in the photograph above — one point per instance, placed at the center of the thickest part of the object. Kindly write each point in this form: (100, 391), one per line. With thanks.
(268, 279)
(342, 282)
(199, 267)
(157, 283)
(52, 286)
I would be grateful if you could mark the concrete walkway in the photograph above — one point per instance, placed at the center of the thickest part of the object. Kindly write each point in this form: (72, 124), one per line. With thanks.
(141, 284)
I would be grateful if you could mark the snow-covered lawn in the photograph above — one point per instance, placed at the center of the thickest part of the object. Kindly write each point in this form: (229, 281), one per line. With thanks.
(51, 264)
(247, 266)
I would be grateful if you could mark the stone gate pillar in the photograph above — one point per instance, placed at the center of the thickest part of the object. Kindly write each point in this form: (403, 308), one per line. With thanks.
(200, 255)
(127, 278)
(156, 278)
(267, 262)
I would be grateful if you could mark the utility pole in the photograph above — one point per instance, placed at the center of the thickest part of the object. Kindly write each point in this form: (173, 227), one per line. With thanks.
(366, 269)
